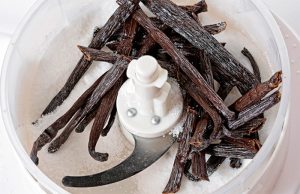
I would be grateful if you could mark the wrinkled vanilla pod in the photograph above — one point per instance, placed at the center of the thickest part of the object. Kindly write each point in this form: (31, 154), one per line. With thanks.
(254, 65)
(199, 170)
(231, 151)
(213, 164)
(129, 31)
(110, 123)
(183, 63)
(255, 110)
(108, 81)
(197, 139)
(197, 8)
(87, 120)
(248, 143)
(247, 129)
(101, 37)
(97, 55)
(206, 70)
(63, 137)
(215, 28)
(224, 90)
(172, 15)
(258, 92)
(49, 134)
(105, 107)
(235, 163)
(203, 102)
(181, 158)
(187, 172)
(181, 44)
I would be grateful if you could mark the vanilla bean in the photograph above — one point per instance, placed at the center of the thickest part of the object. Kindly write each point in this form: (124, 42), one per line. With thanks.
(199, 170)
(258, 92)
(105, 107)
(212, 29)
(96, 30)
(129, 31)
(111, 121)
(235, 163)
(108, 81)
(224, 90)
(255, 110)
(186, 48)
(112, 77)
(112, 45)
(97, 55)
(215, 28)
(250, 144)
(197, 8)
(183, 63)
(62, 138)
(87, 120)
(204, 103)
(50, 133)
(247, 129)
(188, 174)
(254, 65)
(113, 24)
(213, 164)
(231, 151)
(147, 44)
(206, 70)
(223, 76)
(173, 15)
(174, 182)
(182, 154)
(197, 139)
(125, 48)
(195, 17)
(198, 164)
(257, 74)
(251, 125)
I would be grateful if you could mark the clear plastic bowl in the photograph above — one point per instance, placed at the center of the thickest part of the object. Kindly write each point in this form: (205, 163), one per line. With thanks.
(49, 17)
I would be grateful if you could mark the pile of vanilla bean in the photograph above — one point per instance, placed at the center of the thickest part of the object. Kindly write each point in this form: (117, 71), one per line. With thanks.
(188, 50)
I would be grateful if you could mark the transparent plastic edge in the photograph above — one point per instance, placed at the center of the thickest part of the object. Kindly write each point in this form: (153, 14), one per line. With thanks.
(43, 181)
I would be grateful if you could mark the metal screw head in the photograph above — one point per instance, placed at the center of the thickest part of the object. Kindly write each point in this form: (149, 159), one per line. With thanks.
(155, 120)
(132, 112)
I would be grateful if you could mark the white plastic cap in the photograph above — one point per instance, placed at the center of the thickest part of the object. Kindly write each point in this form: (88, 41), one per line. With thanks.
(143, 102)
(147, 69)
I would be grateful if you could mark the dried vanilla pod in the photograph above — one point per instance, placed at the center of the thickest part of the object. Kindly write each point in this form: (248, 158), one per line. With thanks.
(258, 92)
(181, 158)
(101, 37)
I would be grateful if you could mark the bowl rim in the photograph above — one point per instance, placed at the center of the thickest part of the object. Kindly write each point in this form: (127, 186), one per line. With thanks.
(237, 181)
(42, 179)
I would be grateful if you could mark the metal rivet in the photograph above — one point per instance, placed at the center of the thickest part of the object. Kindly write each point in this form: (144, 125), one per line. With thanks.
(155, 120)
(132, 112)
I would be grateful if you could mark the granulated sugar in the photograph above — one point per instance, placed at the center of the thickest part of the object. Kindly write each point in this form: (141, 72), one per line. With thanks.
(56, 64)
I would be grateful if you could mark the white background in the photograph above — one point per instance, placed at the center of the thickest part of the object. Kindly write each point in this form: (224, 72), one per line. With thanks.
(13, 178)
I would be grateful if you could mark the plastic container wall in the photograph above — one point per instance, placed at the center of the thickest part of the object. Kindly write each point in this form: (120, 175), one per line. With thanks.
(47, 18)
